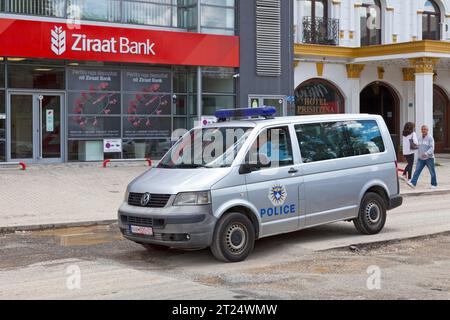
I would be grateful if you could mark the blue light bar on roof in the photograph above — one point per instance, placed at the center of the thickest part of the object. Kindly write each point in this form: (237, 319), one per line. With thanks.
(245, 112)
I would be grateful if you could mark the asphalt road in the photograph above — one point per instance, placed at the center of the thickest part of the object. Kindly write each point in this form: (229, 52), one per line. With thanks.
(96, 263)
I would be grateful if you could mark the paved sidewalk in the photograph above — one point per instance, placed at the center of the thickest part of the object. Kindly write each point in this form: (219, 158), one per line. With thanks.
(73, 193)
(424, 184)
(68, 193)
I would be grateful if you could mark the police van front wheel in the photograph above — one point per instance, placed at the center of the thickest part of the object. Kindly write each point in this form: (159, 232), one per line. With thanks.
(234, 238)
(372, 214)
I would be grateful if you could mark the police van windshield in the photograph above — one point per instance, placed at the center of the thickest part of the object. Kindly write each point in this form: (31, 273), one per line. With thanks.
(206, 148)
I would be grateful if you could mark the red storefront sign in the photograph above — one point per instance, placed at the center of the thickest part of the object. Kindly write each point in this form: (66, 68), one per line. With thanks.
(38, 39)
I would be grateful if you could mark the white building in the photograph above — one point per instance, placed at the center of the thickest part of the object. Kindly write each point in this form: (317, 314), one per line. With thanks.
(388, 57)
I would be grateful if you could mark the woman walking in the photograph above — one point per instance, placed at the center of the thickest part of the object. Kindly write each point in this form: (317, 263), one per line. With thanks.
(410, 145)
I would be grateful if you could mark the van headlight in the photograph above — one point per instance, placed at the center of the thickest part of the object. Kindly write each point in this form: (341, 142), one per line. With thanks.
(127, 193)
(192, 198)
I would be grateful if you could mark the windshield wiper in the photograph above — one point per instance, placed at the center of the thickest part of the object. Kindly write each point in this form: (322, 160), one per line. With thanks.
(164, 166)
(190, 166)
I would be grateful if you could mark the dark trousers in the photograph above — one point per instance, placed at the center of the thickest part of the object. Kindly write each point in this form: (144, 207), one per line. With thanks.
(409, 167)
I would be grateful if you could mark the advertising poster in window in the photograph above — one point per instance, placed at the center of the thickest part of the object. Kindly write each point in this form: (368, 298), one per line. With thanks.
(147, 82)
(92, 80)
(146, 127)
(95, 102)
(147, 104)
(317, 98)
(86, 127)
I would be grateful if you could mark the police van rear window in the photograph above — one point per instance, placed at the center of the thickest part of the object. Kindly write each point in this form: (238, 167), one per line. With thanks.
(335, 140)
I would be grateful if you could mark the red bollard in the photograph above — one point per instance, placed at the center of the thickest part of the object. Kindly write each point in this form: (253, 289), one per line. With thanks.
(105, 163)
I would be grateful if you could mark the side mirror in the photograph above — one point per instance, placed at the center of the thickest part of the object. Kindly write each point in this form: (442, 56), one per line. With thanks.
(246, 168)
(262, 162)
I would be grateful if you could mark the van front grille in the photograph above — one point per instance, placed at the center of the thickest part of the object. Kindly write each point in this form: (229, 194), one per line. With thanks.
(146, 222)
(156, 200)
(142, 221)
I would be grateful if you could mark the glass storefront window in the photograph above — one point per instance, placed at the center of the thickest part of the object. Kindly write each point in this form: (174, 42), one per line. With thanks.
(2, 102)
(2, 126)
(2, 76)
(180, 123)
(181, 105)
(35, 77)
(140, 148)
(94, 102)
(85, 150)
(139, 105)
(213, 103)
(2, 129)
(2, 151)
(220, 81)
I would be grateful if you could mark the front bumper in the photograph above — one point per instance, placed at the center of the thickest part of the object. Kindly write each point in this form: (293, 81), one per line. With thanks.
(395, 202)
(190, 229)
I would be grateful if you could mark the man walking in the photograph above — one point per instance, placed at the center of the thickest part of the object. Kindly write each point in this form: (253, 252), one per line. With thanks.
(426, 158)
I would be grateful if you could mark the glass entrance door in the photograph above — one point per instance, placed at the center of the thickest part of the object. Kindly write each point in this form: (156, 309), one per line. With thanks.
(35, 127)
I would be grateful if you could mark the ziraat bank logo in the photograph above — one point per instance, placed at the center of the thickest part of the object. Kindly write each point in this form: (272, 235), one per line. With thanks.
(83, 43)
(58, 41)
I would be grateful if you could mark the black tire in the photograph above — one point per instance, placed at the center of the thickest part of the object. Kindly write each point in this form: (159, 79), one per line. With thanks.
(372, 214)
(234, 238)
(154, 247)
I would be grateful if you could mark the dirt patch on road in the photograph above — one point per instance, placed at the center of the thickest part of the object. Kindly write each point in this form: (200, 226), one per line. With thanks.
(408, 269)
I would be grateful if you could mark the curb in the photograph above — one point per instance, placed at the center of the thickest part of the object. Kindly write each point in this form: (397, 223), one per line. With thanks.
(379, 243)
(425, 193)
(40, 227)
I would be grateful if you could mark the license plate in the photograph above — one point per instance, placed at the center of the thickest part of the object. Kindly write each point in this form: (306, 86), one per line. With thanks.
(146, 231)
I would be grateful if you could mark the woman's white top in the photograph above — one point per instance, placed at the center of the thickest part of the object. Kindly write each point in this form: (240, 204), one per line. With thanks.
(406, 144)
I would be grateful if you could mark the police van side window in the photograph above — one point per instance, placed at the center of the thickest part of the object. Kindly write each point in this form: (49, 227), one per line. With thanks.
(322, 141)
(271, 149)
(365, 137)
(335, 140)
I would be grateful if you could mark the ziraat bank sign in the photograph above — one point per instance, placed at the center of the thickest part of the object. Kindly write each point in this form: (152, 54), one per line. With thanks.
(43, 39)
(81, 42)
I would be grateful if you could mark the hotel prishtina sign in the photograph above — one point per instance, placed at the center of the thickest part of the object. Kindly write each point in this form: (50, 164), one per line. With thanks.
(100, 43)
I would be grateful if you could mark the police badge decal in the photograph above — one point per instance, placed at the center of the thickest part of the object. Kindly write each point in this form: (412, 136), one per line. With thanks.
(277, 195)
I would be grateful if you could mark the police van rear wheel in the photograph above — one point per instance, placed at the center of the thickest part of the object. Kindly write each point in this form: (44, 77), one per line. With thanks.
(234, 238)
(372, 214)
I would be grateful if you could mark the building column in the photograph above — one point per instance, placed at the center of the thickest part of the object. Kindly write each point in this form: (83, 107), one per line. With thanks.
(424, 72)
(389, 25)
(407, 112)
(353, 74)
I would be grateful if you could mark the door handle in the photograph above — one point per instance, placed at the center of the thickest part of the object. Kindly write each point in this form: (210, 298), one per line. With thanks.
(292, 171)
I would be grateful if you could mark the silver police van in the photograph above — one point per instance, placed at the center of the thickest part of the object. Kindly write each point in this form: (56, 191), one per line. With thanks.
(226, 184)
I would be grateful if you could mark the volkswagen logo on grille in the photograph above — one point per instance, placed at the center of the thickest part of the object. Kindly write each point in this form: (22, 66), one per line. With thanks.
(145, 199)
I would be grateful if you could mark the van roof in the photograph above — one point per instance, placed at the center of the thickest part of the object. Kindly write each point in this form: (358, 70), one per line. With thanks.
(253, 122)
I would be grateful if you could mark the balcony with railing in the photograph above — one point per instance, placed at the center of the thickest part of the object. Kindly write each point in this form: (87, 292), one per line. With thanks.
(320, 31)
